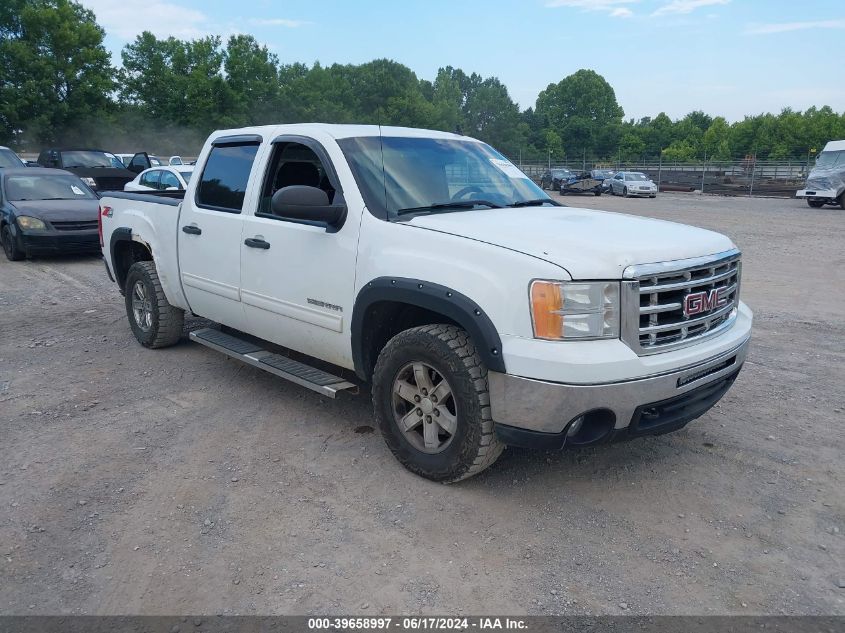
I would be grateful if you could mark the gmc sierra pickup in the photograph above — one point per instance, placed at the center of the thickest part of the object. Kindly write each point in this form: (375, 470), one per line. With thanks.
(482, 312)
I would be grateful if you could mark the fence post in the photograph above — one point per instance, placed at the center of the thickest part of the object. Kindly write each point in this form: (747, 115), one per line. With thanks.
(703, 170)
(659, 170)
(753, 167)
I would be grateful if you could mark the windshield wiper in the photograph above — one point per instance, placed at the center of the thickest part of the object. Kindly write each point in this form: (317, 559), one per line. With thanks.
(455, 204)
(536, 202)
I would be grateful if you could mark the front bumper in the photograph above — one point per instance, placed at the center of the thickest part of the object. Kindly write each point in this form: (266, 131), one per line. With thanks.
(642, 192)
(59, 241)
(537, 413)
(817, 194)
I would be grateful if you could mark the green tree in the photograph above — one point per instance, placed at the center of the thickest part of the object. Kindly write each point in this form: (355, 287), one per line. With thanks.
(583, 110)
(55, 70)
(252, 75)
(716, 140)
(178, 82)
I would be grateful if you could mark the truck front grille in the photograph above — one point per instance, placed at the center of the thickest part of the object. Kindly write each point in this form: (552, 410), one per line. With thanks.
(655, 296)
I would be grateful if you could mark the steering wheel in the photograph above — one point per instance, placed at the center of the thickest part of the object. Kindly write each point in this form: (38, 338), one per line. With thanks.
(463, 193)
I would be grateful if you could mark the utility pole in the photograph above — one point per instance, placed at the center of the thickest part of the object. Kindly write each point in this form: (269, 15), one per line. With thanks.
(550, 158)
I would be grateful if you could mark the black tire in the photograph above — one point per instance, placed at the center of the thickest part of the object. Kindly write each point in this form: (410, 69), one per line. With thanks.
(597, 193)
(842, 200)
(10, 247)
(625, 192)
(165, 324)
(449, 351)
(816, 204)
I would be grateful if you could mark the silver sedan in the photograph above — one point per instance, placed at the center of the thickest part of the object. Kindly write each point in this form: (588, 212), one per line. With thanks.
(632, 183)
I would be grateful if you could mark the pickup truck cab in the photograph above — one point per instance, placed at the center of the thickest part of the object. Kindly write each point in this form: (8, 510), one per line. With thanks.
(482, 312)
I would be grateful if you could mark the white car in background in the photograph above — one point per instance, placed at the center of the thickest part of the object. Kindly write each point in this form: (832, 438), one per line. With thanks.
(161, 179)
(632, 183)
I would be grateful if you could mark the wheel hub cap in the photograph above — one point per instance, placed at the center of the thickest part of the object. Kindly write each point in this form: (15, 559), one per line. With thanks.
(142, 309)
(424, 407)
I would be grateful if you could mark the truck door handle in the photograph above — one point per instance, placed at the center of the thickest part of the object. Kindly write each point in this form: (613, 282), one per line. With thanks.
(254, 242)
(193, 230)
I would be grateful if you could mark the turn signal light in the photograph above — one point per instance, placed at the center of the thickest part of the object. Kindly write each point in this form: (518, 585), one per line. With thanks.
(546, 307)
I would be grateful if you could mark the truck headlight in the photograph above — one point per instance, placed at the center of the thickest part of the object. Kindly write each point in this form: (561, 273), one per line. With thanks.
(575, 309)
(30, 224)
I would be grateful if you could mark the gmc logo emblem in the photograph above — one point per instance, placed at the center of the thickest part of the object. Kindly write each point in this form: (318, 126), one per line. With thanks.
(699, 302)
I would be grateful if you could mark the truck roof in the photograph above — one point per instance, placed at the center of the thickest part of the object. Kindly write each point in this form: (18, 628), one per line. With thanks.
(834, 146)
(338, 131)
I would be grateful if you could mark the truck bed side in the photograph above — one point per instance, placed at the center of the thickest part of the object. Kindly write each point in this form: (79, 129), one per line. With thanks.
(141, 222)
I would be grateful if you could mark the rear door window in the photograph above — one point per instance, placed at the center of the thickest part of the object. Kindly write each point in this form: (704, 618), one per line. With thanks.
(222, 186)
(169, 179)
(151, 179)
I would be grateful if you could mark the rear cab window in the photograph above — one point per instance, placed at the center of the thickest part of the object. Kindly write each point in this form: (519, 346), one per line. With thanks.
(225, 175)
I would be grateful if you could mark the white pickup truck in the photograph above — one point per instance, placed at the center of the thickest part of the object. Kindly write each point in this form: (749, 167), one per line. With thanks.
(482, 312)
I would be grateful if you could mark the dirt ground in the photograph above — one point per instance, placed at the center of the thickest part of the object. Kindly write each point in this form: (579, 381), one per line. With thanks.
(177, 481)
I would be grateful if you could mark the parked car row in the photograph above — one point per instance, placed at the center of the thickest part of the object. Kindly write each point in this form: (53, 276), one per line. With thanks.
(598, 181)
(54, 209)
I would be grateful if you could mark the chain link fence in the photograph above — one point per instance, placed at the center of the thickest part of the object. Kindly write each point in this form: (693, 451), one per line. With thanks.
(740, 177)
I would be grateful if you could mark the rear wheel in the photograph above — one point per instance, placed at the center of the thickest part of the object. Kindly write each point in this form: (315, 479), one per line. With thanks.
(431, 401)
(10, 246)
(597, 193)
(153, 320)
(815, 203)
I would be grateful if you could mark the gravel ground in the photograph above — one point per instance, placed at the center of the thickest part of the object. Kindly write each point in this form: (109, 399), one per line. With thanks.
(177, 481)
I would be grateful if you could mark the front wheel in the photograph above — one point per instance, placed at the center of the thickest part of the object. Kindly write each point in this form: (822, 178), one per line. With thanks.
(153, 320)
(597, 193)
(625, 192)
(10, 247)
(431, 401)
(815, 203)
(842, 200)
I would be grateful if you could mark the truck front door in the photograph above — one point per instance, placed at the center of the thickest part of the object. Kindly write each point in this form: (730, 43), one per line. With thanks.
(298, 277)
(210, 227)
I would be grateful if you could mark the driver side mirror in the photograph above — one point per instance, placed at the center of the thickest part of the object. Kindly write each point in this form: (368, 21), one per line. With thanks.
(300, 202)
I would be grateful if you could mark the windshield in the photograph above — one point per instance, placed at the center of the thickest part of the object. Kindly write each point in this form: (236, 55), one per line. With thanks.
(636, 176)
(47, 187)
(603, 173)
(89, 158)
(561, 173)
(186, 175)
(9, 159)
(398, 174)
(827, 160)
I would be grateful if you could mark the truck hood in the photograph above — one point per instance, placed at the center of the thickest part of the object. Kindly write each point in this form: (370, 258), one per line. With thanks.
(831, 178)
(589, 244)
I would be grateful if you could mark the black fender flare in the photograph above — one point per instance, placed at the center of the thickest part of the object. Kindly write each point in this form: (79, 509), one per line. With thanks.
(434, 297)
(121, 234)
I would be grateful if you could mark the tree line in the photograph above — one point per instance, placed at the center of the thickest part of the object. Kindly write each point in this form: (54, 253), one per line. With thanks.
(58, 85)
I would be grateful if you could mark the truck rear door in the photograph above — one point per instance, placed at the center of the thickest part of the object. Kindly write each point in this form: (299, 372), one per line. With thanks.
(210, 227)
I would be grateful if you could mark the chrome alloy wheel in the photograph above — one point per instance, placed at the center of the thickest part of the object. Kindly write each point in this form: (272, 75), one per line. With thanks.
(424, 407)
(142, 308)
